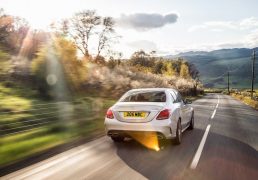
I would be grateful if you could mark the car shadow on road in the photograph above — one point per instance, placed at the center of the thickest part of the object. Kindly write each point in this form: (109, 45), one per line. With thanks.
(164, 164)
(226, 159)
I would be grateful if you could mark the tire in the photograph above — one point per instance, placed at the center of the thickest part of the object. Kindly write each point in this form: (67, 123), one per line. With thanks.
(178, 139)
(191, 126)
(117, 138)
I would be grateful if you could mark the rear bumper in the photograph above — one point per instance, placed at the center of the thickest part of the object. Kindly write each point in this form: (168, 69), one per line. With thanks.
(163, 128)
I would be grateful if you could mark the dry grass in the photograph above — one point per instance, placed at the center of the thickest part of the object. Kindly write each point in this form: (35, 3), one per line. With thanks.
(121, 79)
(246, 99)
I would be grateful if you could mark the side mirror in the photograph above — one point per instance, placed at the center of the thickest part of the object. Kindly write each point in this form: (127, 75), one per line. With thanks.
(187, 101)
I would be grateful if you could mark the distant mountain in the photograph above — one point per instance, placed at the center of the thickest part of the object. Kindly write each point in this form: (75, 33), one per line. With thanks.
(214, 65)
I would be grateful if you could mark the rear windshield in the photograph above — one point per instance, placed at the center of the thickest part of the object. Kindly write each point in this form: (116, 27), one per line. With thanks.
(150, 96)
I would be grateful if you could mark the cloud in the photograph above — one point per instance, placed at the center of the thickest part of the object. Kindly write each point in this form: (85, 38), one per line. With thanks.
(218, 26)
(144, 21)
(251, 40)
(249, 23)
(213, 26)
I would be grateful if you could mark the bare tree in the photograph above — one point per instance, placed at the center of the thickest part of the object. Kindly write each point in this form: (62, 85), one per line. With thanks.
(86, 25)
(104, 35)
(82, 27)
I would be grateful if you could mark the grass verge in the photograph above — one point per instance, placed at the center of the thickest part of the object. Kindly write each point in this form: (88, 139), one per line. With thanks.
(19, 107)
(194, 98)
(246, 99)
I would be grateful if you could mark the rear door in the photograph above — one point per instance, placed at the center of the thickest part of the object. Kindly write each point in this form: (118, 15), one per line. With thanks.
(183, 109)
(188, 112)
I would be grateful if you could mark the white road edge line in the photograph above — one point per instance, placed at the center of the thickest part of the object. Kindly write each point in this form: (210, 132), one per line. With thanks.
(200, 148)
(217, 103)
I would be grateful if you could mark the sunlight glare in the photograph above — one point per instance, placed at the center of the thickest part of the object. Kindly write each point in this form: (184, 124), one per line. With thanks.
(149, 140)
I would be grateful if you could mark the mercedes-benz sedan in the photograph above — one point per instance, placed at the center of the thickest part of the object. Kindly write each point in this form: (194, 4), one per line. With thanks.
(159, 110)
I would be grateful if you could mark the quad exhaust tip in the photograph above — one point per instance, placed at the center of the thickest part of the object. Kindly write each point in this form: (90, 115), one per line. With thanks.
(115, 134)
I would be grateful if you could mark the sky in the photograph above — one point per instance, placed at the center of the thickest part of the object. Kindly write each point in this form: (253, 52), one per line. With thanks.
(166, 26)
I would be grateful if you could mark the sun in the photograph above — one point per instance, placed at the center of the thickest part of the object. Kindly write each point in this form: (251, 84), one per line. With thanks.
(39, 13)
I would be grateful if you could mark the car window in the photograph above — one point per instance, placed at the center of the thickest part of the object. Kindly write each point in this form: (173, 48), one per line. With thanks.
(173, 96)
(153, 96)
(178, 97)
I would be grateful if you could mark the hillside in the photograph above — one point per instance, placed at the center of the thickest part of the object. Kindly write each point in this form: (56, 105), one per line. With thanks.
(213, 66)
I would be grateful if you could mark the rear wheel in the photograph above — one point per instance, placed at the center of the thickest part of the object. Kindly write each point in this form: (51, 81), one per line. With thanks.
(178, 139)
(191, 127)
(117, 138)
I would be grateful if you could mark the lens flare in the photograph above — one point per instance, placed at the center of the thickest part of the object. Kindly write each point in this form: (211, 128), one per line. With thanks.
(149, 140)
(51, 79)
(156, 148)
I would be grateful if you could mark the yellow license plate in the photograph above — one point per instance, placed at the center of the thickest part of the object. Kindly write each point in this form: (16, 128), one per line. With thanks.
(135, 114)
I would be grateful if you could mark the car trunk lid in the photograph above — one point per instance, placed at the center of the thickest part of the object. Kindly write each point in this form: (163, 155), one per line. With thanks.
(137, 111)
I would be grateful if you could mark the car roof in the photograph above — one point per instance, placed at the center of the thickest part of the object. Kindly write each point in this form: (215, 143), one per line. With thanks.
(152, 89)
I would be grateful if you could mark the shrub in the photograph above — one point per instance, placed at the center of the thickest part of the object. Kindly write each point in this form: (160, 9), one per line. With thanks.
(114, 82)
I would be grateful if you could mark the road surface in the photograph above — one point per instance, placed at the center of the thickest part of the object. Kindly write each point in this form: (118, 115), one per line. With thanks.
(223, 145)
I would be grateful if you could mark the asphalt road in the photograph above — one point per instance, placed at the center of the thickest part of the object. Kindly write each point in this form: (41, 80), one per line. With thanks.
(223, 145)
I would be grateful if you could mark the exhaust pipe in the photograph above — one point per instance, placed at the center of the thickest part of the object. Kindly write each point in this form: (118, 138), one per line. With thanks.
(160, 136)
(113, 134)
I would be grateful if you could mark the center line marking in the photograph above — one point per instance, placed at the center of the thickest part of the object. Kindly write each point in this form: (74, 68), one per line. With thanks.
(201, 145)
(213, 114)
(200, 148)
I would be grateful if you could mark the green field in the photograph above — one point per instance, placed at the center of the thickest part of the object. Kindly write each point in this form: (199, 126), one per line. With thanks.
(30, 125)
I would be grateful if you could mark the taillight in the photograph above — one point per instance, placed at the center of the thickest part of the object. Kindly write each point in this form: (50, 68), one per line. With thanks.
(163, 114)
(109, 114)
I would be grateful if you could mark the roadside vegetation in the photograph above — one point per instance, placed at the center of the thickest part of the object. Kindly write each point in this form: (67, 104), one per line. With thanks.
(245, 96)
(54, 89)
(213, 90)
(29, 125)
